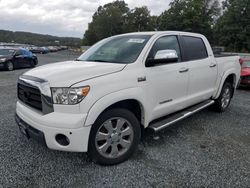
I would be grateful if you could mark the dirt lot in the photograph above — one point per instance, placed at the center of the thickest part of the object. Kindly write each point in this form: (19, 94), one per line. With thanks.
(205, 150)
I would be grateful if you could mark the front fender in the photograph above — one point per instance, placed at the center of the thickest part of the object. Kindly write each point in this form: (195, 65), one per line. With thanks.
(103, 103)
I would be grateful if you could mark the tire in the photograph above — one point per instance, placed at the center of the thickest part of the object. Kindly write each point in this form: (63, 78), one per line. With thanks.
(223, 102)
(9, 66)
(117, 140)
(32, 64)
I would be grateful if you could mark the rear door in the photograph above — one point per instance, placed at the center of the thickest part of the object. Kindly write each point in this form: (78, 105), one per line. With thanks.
(27, 57)
(202, 69)
(166, 83)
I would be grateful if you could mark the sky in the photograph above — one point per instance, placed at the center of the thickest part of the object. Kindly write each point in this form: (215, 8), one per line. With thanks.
(60, 17)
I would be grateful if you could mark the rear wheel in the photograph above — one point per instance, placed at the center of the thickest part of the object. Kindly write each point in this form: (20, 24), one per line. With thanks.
(114, 137)
(222, 103)
(9, 66)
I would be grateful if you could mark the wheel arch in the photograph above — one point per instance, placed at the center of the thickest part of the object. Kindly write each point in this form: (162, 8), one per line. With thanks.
(134, 103)
(9, 61)
(230, 77)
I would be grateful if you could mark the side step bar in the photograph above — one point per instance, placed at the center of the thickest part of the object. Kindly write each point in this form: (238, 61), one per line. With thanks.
(173, 118)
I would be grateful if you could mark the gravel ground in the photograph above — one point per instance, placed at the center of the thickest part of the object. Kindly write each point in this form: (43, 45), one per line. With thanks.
(206, 150)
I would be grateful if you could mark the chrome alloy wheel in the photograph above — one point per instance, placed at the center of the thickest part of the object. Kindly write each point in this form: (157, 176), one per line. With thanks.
(114, 137)
(226, 96)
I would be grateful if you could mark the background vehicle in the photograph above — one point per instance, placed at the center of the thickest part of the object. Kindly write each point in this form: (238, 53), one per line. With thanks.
(45, 50)
(52, 49)
(11, 58)
(39, 50)
(245, 72)
(101, 102)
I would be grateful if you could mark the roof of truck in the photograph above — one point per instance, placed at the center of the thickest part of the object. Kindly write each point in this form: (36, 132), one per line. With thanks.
(162, 32)
(158, 33)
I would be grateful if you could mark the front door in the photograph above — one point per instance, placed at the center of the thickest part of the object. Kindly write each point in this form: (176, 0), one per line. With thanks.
(21, 59)
(166, 87)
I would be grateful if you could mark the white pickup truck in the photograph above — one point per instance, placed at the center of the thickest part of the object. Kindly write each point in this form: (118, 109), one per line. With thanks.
(101, 102)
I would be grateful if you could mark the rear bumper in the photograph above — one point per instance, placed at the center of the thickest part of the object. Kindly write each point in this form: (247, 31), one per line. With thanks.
(47, 127)
(245, 82)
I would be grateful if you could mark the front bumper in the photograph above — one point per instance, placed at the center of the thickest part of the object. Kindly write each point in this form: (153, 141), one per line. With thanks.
(29, 131)
(52, 124)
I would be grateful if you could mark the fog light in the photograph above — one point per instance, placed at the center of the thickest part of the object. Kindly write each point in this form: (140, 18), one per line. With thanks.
(62, 139)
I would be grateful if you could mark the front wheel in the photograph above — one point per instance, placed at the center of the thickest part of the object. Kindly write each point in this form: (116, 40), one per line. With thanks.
(222, 103)
(114, 137)
(9, 66)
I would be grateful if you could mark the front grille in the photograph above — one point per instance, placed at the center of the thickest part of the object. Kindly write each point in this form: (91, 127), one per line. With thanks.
(245, 78)
(30, 96)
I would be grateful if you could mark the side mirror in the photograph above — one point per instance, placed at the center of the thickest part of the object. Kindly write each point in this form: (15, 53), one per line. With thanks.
(163, 56)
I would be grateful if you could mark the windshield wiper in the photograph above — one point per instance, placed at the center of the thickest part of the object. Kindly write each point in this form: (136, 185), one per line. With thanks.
(98, 60)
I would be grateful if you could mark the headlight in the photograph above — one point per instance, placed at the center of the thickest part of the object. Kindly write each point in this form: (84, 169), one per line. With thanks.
(69, 95)
(2, 59)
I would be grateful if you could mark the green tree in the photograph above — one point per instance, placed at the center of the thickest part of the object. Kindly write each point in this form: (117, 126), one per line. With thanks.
(108, 20)
(116, 18)
(190, 15)
(138, 19)
(233, 27)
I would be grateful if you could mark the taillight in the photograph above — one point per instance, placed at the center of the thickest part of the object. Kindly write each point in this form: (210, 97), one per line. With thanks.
(241, 61)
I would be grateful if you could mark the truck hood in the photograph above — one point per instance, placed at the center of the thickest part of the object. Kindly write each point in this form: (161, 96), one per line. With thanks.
(245, 71)
(65, 74)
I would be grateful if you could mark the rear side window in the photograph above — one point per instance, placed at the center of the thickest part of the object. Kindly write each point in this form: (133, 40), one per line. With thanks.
(195, 48)
(27, 53)
(23, 52)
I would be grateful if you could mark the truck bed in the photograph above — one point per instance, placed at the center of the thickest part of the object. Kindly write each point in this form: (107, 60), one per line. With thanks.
(223, 55)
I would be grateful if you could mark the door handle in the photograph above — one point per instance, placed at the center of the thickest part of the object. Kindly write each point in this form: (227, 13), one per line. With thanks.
(212, 65)
(183, 69)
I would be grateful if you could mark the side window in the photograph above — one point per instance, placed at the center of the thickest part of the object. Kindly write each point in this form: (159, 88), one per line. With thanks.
(18, 52)
(195, 48)
(26, 53)
(29, 53)
(166, 43)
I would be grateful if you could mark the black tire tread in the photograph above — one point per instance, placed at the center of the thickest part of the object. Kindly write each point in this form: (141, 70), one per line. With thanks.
(6, 66)
(217, 105)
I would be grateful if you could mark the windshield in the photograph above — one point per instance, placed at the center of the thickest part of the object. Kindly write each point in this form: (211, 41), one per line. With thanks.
(120, 49)
(6, 52)
(246, 64)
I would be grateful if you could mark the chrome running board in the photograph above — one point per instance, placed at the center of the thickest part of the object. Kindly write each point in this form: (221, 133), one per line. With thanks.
(173, 118)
